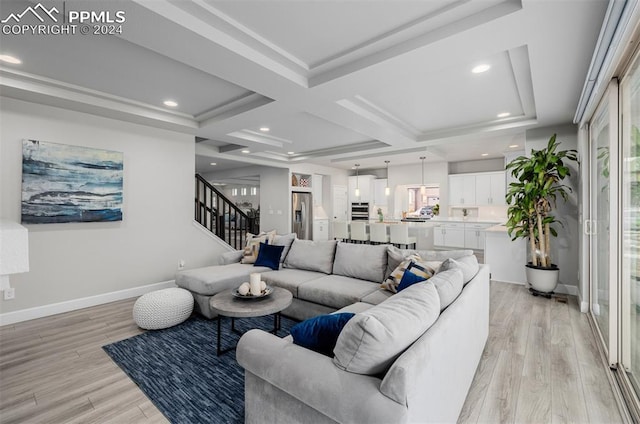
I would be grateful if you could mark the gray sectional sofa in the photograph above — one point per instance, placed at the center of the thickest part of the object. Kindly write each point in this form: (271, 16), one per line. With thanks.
(406, 357)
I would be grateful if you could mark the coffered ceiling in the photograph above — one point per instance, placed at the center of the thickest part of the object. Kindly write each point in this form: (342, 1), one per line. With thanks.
(333, 81)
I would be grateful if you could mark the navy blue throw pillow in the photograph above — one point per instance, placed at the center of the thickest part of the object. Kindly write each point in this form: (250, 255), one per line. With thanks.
(269, 255)
(320, 333)
(409, 279)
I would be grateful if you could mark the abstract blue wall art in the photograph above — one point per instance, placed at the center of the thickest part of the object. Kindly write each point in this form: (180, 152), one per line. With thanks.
(62, 183)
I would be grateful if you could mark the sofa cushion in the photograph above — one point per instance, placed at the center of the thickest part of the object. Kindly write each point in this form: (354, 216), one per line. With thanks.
(230, 257)
(377, 296)
(320, 333)
(373, 339)
(355, 308)
(335, 291)
(213, 279)
(290, 279)
(284, 240)
(269, 256)
(467, 264)
(252, 247)
(363, 261)
(449, 285)
(311, 255)
(395, 256)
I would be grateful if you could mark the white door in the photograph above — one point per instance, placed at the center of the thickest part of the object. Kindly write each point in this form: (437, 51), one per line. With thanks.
(340, 203)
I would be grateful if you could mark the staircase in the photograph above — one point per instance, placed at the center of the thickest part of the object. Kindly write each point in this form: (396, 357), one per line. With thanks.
(221, 216)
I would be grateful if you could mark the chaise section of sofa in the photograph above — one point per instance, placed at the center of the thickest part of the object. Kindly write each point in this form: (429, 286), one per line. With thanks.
(428, 382)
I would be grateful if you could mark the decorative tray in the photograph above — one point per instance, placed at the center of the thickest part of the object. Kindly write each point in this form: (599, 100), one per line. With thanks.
(266, 292)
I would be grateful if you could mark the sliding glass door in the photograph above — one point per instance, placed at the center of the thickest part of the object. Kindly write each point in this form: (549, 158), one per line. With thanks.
(630, 224)
(603, 154)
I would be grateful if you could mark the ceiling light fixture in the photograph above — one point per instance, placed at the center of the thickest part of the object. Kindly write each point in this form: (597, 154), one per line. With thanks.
(357, 192)
(213, 164)
(170, 103)
(10, 59)
(245, 151)
(485, 154)
(387, 190)
(290, 153)
(423, 188)
(513, 146)
(481, 68)
(503, 114)
(265, 129)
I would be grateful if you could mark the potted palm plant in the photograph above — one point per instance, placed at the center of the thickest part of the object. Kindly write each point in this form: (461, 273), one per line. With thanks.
(532, 199)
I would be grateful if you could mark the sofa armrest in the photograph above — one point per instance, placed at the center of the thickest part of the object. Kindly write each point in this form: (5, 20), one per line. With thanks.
(230, 257)
(314, 380)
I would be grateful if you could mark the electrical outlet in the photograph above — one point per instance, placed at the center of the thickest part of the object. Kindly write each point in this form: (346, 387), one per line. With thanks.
(181, 264)
(9, 293)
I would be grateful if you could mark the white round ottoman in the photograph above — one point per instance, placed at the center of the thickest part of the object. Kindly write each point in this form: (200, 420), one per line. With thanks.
(163, 308)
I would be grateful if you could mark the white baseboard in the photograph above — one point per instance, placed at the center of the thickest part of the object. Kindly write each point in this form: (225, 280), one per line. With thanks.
(562, 288)
(75, 304)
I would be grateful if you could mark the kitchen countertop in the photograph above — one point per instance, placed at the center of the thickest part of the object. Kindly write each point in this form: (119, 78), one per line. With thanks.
(471, 220)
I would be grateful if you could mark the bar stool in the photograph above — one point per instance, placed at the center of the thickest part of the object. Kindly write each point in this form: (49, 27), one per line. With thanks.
(378, 233)
(340, 230)
(359, 231)
(400, 236)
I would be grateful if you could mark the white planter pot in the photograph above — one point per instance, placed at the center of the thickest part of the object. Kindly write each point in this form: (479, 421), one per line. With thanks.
(542, 279)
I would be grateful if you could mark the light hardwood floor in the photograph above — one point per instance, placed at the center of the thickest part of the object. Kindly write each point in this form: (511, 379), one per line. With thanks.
(540, 365)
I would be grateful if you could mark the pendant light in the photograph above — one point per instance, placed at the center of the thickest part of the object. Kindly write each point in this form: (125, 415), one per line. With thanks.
(423, 189)
(387, 190)
(357, 182)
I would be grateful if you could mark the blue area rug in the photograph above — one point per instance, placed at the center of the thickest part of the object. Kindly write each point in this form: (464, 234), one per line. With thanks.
(177, 368)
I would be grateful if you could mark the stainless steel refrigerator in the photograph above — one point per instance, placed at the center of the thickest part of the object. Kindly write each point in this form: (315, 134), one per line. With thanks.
(302, 215)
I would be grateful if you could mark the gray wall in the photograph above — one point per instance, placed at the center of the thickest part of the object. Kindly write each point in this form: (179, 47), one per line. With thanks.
(76, 261)
(565, 248)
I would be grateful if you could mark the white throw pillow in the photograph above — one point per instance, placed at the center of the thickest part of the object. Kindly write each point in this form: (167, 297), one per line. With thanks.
(373, 339)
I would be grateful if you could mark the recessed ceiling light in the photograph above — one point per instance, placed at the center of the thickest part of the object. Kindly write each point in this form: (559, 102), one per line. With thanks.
(10, 59)
(481, 68)
(485, 154)
(503, 114)
(513, 146)
(170, 103)
(290, 153)
(264, 129)
(213, 164)
(245, 151)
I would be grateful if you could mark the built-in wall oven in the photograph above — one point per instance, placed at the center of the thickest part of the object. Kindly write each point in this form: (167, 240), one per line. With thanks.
(360, 211)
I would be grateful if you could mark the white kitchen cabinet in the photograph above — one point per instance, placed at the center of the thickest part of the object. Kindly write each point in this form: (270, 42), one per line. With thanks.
(462, 189)
(379, 196)
(321, 230)
(468, 235)
(474, 235)
(449, 235)
(316, 188)
(365, 183)
(490, 189)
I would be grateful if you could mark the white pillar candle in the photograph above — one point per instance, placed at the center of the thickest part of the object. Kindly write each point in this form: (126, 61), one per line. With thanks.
(254, 282)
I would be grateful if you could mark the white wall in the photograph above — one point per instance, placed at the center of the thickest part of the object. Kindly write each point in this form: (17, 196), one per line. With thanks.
(74, 261)
(565, 248)
(435, 173)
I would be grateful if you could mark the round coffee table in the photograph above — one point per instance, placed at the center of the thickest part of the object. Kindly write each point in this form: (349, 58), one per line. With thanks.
(228, 305)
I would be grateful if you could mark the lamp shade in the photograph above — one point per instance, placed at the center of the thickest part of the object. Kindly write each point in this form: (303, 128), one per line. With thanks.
(14, 248)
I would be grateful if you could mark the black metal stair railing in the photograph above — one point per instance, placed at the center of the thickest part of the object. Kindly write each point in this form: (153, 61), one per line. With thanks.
(218, 214)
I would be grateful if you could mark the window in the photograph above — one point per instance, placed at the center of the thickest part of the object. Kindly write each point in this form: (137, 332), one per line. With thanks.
(234, 192)
(254, 191)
